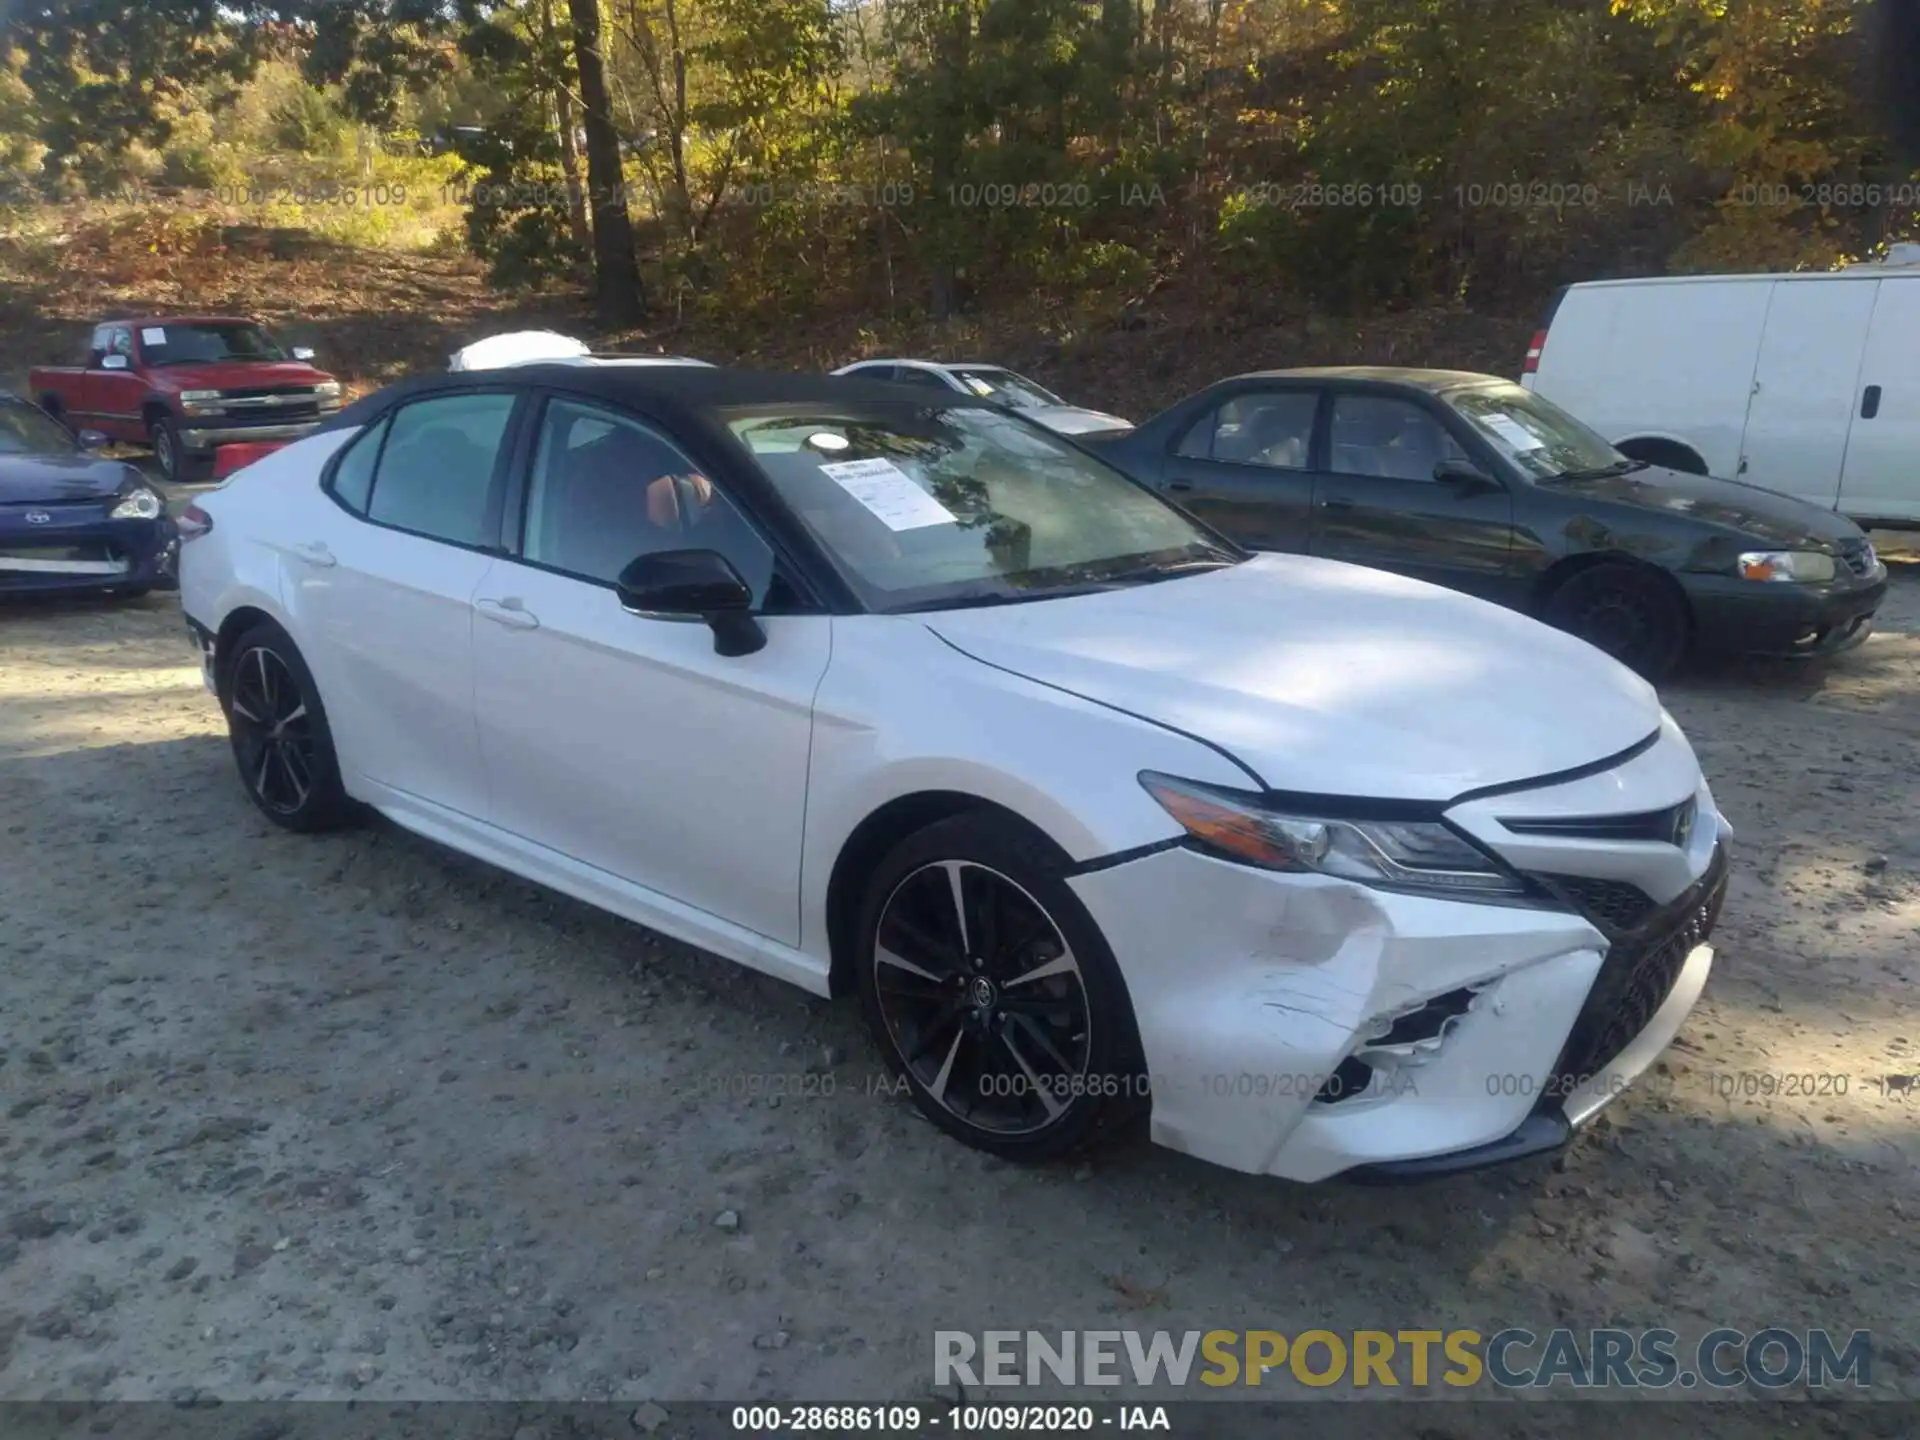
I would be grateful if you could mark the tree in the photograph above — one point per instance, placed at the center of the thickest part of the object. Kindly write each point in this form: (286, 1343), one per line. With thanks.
(105, 74)
(617, 293)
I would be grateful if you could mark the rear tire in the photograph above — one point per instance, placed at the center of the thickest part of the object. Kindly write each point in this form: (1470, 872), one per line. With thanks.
(1011, 1026)
(1631, 612)
(278, 728)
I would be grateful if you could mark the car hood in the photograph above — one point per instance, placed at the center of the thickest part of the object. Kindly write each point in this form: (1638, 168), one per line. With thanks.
(1329, 679)
(1072, 420)
(60, 479)
(237, 375)
(1766, 515)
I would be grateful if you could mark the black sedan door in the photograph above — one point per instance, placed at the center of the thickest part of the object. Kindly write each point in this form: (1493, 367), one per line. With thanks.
(1378, 502)
(1244, 467)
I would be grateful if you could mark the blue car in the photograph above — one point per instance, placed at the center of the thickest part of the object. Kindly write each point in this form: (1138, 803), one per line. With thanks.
(71, 520)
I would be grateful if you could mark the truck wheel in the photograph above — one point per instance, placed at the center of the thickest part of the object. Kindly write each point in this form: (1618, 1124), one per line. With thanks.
(168, 453)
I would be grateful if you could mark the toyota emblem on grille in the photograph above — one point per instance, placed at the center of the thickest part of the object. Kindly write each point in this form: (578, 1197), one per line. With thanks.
(39, 517)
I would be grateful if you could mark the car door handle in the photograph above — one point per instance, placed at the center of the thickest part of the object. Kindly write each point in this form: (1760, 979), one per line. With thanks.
(1181, 485)
(316, 554)
(1870, 402)
(510, 612)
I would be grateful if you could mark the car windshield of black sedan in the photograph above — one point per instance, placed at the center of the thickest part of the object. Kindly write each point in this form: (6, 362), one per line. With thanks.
(207, 343)
(25, 430)
(932, 509)
(1536, 435)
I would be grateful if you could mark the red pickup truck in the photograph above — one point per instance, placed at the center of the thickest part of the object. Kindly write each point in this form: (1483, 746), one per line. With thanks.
(187, 385)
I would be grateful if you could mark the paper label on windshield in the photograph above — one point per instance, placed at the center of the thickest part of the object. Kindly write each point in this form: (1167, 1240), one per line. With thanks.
(889, 493)
(1514, 433)
(153, 335)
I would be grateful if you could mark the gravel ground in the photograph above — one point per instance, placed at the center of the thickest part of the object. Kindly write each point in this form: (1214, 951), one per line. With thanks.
(356, 1117)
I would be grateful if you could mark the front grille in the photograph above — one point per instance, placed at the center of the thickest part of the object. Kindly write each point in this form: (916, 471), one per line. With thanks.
(267, 415)
(65, 550)
(1612, 905)
(1636, 978)
(259, 394)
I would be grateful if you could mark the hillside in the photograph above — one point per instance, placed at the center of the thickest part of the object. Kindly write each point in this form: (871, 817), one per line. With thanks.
(377, 314)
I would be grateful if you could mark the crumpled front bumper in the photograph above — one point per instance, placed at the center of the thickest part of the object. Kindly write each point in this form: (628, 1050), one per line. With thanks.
(1254, 991)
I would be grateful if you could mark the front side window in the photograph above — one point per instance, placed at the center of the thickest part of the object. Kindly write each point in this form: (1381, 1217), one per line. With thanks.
(435, 472)
(608, 489)
(207, 342)
(1387, 437)
(1003, 387)
(27, 430)
(1272, 428)
(925, 508)
(117, 341)
(1539, 437)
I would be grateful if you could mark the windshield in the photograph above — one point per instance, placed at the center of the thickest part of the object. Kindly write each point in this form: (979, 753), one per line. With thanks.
(207, 341)
(1543, 440)
(924, 509)
(1003, 387)
(27, 430)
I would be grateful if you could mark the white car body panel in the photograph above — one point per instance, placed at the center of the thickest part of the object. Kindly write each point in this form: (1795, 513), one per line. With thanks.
(619, 760)
(627, 744)
(1331, 679)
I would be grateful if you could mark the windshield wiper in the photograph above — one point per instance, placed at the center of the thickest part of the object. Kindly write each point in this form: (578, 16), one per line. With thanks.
(1167, 570)
(1604, 472)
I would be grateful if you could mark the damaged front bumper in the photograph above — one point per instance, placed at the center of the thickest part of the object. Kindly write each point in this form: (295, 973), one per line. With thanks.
(1306, 1027)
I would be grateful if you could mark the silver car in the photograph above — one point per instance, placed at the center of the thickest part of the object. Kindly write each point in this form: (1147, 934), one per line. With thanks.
(998, 385)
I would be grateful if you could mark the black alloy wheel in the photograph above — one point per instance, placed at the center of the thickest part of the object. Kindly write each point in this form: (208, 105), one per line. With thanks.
(1631, 613)
(279, 732)
(992, 991)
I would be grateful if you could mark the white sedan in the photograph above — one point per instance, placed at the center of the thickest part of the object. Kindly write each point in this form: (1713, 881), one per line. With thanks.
(1321, 869)
(998, 386)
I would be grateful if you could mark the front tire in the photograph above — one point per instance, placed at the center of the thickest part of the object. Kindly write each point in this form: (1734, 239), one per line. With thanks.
(169, 456)
(278, 729)
(988, 987)
(1631, 612)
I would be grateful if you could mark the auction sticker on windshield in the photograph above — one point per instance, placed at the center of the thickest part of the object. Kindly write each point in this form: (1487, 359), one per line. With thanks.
(890, 493)
(1514, 433)
(153, 335)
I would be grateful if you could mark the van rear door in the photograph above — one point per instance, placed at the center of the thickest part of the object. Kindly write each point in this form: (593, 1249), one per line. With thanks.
(1882, 475)
(1805, 387)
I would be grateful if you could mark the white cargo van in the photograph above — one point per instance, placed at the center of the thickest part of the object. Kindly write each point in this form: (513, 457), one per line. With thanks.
(1805, 384)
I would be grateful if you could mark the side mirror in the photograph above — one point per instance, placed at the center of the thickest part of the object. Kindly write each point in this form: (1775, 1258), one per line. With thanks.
(91, 439)
(303, 352)
(694, 585)
(1463, 473)
(113, 362)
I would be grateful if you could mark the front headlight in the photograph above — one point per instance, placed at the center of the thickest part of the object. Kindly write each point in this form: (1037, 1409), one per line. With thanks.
(328, 389)
(1805, 567)
(1422, 856)
(139, 504)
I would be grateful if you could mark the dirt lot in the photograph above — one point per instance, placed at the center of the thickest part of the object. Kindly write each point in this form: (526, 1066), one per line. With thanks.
(357, 1117)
